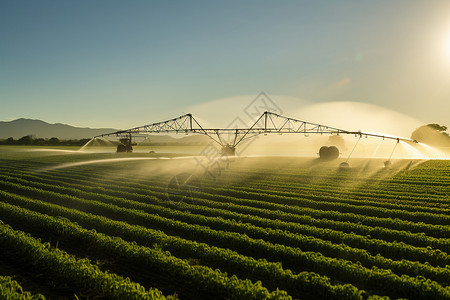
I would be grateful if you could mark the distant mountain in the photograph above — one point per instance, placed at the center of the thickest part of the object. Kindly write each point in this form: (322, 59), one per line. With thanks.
(40, 129)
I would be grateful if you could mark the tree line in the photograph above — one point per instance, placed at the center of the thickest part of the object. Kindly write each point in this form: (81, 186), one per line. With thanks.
(54, 141)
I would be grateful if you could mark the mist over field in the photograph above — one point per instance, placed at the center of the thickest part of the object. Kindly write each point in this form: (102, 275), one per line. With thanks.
(225, 150)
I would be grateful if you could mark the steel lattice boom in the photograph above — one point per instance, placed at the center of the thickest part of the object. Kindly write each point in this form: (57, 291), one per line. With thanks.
(267, 123)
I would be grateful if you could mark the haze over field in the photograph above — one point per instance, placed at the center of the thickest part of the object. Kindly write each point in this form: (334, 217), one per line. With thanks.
(117, 64)
(257, 149)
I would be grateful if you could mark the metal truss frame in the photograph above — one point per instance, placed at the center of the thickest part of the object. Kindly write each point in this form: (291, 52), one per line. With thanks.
(267, 123)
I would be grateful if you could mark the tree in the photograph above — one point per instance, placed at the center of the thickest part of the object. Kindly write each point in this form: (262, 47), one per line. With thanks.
(39, 142)
(440, 128)
(437, 127)
(53, 141)
(25, 140)
(432, 134)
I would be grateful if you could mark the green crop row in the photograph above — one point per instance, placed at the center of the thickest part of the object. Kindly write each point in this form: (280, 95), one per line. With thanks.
(286, 184)
(306, 193)
(309, 244)
(381, 190)
(392, 235)
(403, 225)
(72, 173)
(12, 290)
(329, 203)
(273, 273)
(79, 272)
(375, 198)
(149, 259)
(399, 250)
(377, 279)
(440, 231)
(275, 236)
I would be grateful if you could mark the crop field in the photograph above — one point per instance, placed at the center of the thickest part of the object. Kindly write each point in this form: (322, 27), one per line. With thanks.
(131, 226)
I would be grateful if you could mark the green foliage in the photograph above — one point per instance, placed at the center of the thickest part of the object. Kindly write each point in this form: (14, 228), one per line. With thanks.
(54, 141)
(437, 127)
(288, 235)
(25, 140)
(12, 290)
(9, 141)
(76, 271)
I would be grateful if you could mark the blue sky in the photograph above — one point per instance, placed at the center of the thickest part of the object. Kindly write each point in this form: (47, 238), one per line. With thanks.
(128, 63)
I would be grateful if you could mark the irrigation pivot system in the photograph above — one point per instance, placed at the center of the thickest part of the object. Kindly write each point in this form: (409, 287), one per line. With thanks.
(267, 123)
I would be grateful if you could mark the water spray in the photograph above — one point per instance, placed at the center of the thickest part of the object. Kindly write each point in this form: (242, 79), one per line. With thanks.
(345, 163)
(377, 148)
(433, 152)
(388, 163)
(84, 146)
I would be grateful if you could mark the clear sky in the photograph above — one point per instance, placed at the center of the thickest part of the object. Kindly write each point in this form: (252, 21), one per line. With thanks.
(128, 63)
